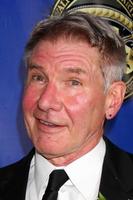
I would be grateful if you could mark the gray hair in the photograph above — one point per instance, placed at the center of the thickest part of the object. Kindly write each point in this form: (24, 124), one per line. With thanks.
(91, 29)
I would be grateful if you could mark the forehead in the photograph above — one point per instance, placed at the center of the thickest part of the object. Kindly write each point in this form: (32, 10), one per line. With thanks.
(66, 51)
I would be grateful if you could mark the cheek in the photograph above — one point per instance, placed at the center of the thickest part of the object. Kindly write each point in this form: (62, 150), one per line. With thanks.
(78, 104)
(30, 98)
(85, 106)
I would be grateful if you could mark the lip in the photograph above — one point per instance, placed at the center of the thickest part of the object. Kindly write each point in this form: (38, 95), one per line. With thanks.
(49, 127)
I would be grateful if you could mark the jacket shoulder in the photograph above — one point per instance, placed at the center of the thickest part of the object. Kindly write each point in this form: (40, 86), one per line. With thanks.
(13, 179)
(119, 163)
(116, 153)
(17, 165)
(117, 175)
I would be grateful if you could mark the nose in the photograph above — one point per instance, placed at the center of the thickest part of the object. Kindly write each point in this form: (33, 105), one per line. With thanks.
(50, 99)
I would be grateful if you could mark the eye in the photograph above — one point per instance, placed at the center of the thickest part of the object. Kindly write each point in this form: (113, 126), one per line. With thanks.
(75, 82)
(38, 77)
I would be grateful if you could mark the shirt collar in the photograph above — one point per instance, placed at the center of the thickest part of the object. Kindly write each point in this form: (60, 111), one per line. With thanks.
(91, 163)
(42, 170)
(85, 172)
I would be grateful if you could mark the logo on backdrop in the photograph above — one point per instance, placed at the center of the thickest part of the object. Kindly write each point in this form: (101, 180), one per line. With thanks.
(119, 13)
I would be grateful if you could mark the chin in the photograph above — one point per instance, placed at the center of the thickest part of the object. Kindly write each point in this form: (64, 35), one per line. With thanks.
(48, 151)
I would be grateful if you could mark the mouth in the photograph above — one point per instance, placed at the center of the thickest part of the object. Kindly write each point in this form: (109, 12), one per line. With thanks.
(48, 124)
(49, 127)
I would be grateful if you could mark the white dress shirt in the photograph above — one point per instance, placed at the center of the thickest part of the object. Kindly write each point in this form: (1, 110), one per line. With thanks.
(84, 176)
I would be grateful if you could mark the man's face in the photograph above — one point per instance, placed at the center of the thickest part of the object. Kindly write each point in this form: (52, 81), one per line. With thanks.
(64, 100)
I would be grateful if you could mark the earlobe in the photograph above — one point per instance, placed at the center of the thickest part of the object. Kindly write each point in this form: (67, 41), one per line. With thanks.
(114, 99)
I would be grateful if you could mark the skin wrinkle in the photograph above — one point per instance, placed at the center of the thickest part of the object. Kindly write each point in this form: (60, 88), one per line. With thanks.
(91, 61)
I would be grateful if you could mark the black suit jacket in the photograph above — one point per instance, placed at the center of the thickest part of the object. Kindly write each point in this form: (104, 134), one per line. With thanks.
(116, 181)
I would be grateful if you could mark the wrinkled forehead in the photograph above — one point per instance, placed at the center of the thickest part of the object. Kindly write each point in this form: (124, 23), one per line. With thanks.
(65, 55)
(67, 48)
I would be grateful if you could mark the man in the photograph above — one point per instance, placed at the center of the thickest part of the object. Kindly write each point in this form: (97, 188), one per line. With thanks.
(75, 66)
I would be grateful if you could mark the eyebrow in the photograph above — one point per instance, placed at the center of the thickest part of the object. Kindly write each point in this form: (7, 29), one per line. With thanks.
(75, 70)
(33, 66)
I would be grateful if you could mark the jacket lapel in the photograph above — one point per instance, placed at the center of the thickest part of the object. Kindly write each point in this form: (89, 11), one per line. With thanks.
(117, 174)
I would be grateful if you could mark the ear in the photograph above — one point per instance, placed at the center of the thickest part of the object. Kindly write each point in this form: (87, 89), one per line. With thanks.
(114, 98)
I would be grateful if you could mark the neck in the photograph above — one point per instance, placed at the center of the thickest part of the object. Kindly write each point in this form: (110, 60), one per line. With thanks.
(64, 160)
